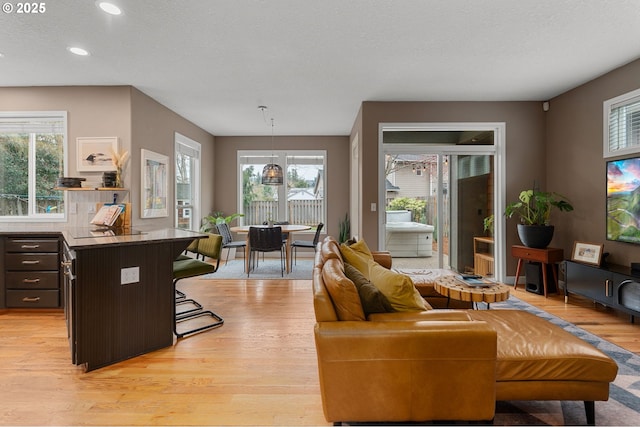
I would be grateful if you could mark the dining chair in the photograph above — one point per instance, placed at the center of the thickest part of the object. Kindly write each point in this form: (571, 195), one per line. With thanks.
(227, 239)
(285, 236)
(266, 239)
(308, 244)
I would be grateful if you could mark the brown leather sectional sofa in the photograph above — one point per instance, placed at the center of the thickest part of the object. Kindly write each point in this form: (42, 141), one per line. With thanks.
(441, 365)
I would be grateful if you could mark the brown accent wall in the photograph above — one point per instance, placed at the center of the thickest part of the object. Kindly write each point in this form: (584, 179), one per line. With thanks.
(91, 111)
(153, 128)
(337, 184)
(576, 167)
(123, 111)
(525, 147)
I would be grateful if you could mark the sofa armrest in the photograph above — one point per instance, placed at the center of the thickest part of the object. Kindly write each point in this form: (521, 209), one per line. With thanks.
(406, 371)
(383, 258)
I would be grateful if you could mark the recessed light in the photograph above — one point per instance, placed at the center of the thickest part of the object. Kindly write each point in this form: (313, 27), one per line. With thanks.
(78, 51)
(110, 8)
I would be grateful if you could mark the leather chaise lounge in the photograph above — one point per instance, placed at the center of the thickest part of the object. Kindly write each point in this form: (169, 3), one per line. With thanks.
(440, 365)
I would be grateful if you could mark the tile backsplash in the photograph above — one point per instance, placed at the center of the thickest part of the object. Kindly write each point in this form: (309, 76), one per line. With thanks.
(82, 205)
(81, 208)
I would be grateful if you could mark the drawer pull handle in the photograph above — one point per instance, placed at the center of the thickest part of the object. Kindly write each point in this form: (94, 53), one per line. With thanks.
(30, 280)
(30, 246)
(31, 262)
(30, 299)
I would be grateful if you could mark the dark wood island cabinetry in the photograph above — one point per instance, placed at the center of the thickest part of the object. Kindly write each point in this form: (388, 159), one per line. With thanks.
(119, 295)
(30, 270)
(117, 291)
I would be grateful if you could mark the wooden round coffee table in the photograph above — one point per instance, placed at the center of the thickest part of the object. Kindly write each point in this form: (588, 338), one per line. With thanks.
(454, 288)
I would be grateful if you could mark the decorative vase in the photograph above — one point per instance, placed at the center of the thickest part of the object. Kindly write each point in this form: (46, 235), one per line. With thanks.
(535, 236)
(119, 178)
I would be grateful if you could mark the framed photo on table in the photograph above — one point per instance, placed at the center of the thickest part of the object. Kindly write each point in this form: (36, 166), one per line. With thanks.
(95, 154)
(154, 179)
(587, 253)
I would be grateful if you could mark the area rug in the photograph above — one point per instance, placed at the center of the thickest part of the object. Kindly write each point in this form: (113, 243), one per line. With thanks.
(624, 396)
(266, 270)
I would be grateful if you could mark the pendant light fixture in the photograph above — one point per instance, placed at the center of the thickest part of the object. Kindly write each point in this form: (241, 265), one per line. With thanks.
(272, 173)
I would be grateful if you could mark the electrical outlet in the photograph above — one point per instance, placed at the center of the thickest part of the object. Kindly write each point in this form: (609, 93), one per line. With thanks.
(129, 275)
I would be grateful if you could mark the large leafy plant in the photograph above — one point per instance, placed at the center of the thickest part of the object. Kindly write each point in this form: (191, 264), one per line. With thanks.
(209, 222)
(534, 207)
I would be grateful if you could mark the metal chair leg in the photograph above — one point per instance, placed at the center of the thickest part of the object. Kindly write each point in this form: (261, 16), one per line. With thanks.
(192, 314)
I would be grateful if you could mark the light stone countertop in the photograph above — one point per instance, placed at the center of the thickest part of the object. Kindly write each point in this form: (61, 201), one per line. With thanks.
(78, 238)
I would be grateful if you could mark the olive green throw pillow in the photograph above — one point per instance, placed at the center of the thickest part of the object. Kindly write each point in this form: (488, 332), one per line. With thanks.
(397, 288)
(358, 255)
(373, 301)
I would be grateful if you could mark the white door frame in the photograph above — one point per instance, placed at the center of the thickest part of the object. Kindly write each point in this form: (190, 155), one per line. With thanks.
(180, 139)
(356, 188)
(497, 150)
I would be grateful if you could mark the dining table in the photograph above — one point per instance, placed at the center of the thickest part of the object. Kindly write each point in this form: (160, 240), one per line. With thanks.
(287, 229)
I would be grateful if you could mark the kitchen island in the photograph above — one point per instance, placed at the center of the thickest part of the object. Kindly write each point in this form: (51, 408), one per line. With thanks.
(118, 293)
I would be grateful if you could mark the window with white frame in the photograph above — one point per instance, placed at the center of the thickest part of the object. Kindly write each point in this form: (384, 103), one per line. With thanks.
(301, 200)
(187, 183)
(622, 124)
(32, 157)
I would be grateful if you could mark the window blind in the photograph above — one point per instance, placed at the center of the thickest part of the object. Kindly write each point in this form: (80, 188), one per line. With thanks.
(32, 125)
(187, 150)
(623, 118)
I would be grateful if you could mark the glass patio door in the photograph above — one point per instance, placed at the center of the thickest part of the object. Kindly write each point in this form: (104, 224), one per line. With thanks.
(436, 197)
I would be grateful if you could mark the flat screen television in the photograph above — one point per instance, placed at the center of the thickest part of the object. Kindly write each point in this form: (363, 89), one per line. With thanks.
(623, 200)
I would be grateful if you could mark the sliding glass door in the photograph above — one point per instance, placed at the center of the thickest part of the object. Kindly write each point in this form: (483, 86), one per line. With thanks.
(439, 186)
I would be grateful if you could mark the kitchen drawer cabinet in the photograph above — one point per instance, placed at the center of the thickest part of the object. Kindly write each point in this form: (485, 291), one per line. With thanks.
(43, 298)
(32, 272)
(32, 245)
(39, 262)
(32, 280)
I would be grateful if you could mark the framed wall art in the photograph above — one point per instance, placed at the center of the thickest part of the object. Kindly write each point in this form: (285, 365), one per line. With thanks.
(587, 253)
(95, 154)
(154, 179)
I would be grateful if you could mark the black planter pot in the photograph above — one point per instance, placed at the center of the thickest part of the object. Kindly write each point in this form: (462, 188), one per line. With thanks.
(535, 236)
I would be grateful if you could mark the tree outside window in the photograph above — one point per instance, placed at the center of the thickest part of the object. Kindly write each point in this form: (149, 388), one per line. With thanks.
(31, 160)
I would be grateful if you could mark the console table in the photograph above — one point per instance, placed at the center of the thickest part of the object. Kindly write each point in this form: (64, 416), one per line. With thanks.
(614, 286)
(545, 256)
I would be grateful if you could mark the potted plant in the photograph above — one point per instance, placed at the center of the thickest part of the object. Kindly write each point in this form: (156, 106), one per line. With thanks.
(488, 224)
(344, 229)
(209, 222)
(534, 211)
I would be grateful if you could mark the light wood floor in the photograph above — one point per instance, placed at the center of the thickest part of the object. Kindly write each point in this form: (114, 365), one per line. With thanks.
(257, 369)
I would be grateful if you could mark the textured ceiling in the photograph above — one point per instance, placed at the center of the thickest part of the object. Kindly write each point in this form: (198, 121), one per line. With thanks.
(313, 62)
